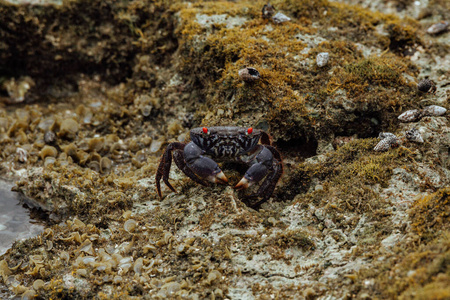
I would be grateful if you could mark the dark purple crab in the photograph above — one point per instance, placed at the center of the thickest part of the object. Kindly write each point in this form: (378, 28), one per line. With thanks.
(225, 144)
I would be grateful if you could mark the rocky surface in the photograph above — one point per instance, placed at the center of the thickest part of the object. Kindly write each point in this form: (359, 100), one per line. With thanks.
(93, 91)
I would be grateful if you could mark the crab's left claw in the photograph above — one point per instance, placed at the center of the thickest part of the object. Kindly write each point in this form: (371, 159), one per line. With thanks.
(254, 174)
(243, 184)
(258, 170)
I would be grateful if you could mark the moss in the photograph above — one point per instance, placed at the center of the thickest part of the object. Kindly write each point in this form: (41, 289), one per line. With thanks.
(293, 238)
(361, 77)
(402, 37)
(348, 175)
(430, 212)
(419, 267)
(421, 272)
(303, 9)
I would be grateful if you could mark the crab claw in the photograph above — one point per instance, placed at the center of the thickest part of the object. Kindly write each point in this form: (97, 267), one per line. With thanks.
(257, 171)
(218, 178)
(243, 184)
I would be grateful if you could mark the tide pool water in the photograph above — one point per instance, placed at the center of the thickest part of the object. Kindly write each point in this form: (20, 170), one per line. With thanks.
(15, 221)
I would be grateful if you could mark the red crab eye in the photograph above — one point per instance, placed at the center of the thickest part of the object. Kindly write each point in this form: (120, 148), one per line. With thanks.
(205, 130)
(250, 130)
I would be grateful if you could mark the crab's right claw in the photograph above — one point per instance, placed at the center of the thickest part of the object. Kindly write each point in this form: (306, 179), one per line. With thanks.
(206, 168)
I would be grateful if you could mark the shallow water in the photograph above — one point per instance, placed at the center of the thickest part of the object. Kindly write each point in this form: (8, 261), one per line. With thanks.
(15, 221)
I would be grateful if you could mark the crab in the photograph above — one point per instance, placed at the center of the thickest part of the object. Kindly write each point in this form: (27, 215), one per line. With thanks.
(197, 159)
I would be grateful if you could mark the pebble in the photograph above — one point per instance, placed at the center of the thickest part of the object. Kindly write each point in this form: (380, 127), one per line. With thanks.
(322, 59)
(438, 28)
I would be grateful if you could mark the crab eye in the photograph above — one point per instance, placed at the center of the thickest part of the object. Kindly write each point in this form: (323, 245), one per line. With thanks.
(205, 130)
(249, 130)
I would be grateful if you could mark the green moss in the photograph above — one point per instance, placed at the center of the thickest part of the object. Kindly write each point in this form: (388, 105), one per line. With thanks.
(303, 9)
(419, 268)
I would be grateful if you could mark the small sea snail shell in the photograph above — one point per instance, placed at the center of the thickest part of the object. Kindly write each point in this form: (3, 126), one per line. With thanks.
(433, 111)
(249, 74)
(426, 85)
(412, 115)
(268, 11)
(386, 144)
(413, 135)
(322, 59)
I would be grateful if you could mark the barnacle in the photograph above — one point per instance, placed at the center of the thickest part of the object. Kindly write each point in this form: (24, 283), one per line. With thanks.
(17, 89)
(138, 264)
(49, 137)
(48, 151)
(96, 144)
(68, 128)
(105, 165)
(22, 154)
(130, 225)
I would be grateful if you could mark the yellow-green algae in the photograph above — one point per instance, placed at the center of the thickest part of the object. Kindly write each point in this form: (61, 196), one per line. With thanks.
(287, 87)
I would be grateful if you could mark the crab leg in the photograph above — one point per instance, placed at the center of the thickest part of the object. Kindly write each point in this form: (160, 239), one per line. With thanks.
(164, 167)
(201, 165)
